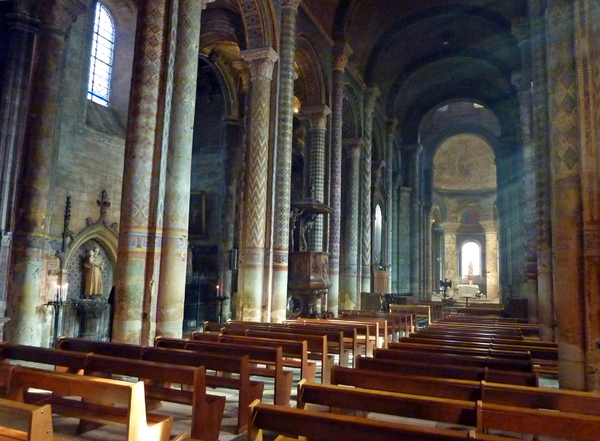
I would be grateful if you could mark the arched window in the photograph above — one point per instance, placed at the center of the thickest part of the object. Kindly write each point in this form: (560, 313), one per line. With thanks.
(377, 226)
(101, 59)
(471, 259)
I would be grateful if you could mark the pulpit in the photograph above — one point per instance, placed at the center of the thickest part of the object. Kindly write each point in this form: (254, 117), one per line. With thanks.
(308, 271)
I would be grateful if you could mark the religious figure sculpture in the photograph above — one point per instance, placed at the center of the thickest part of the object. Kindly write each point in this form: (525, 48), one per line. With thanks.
(470, 273)
(93, 264)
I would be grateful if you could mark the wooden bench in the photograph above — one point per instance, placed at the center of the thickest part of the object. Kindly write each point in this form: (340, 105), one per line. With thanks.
(272, 357)
(403, 323)
(313, 425)
(488, 352)
(421, 311)
(512, 364)
(122, 350)
(59, 360)
(295, 353)
(248, 390)
(207, 410)
(26, 422)
(84, 398)
(449, 371)
(366, 332)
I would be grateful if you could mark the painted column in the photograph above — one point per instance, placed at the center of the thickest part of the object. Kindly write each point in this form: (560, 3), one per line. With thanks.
(450, 256)
(566, 194)
(415, 221)
(316, 172)
(134, 278)
(349, 263)
(171, 289)
(389, 202)
(341, 52)
(31, 225)
(371, 95)
(542, 157)
(250, 283)
(520, 29)
(13, 107)
(491, 259)
(285, 127)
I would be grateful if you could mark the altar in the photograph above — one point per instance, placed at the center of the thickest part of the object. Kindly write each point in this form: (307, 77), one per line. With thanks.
(465, 290)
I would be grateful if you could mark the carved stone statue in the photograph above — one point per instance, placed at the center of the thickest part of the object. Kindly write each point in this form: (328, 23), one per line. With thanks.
(93, 264)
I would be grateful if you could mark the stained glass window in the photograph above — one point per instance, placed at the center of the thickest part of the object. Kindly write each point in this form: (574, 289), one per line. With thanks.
(101, 59)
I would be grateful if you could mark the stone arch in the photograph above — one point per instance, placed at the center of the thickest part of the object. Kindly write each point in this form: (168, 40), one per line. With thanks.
(351, 111)
(311, 81)
(258, 17)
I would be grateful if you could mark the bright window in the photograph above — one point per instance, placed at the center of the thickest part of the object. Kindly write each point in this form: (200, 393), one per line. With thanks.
(101, 59)
(471, 259)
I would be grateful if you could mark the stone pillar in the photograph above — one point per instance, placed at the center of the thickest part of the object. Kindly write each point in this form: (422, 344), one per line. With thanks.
(31, 225)
(13, 106)
(415, 221)
(491, 259)
(395, 262)
(135, 274)
(543, 181)
(349, 264)
(171, 288)
(522, 82)
(566, 194)
(281, 226)
(228, 260)
(341, 52)
(404, 240)
(389, 202)
(316, 172)
(450, 256)
(250, 283)
(427, 252)
(371, 95)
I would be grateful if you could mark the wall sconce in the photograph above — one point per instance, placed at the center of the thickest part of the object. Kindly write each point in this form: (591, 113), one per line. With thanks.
(296, 105)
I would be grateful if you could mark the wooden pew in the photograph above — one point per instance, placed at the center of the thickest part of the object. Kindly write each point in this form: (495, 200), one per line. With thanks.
(207, 410)
(295, 353)
(312, 425)
(512, 364)
(82, 397)
(60, 360)
(404, 323)
(385, 327)
(444, 410)
(248, 390)
(421, 311)
(335, 338)
(409, 346)
(271, 356)
(450, 371)
(26, 422)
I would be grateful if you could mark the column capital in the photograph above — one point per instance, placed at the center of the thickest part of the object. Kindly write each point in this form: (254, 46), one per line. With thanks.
(205, 3)
(450, 227)
(520, 29)
(371, 94)
(23, 21)
(391, 125)
(262, 61)
(60, 14)
(489, 226)
(341, 54)
(317, 115)
(377, 168)
(290, 4)
(353, 146)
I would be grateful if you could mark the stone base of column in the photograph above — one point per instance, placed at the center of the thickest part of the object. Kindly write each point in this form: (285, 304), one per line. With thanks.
(348, 297)
(334, 290)
(129, 292)
(280, 289)
(250, 286)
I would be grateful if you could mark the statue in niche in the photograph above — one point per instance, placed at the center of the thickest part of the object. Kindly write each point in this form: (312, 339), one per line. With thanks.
(93, 264)
(470, 273)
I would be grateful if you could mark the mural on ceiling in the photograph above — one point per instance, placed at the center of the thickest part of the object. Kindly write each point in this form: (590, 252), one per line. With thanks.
(464, 162)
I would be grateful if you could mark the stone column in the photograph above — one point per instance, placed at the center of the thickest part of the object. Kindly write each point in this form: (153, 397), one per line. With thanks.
(171, 288)
(491, 258)
(317, 116)
(566, 194)
(250, 282)
(233, 139)
(404, 240)
(31, 225)
(395, 262)
(349, 264)
(341, 52)
(13, 106)
(522, 82)
(542, 158)
(135, 274)
(285, 127)
(450, 257)
(427, 252)
(415, 221)
(371, 95)
(389, 202)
